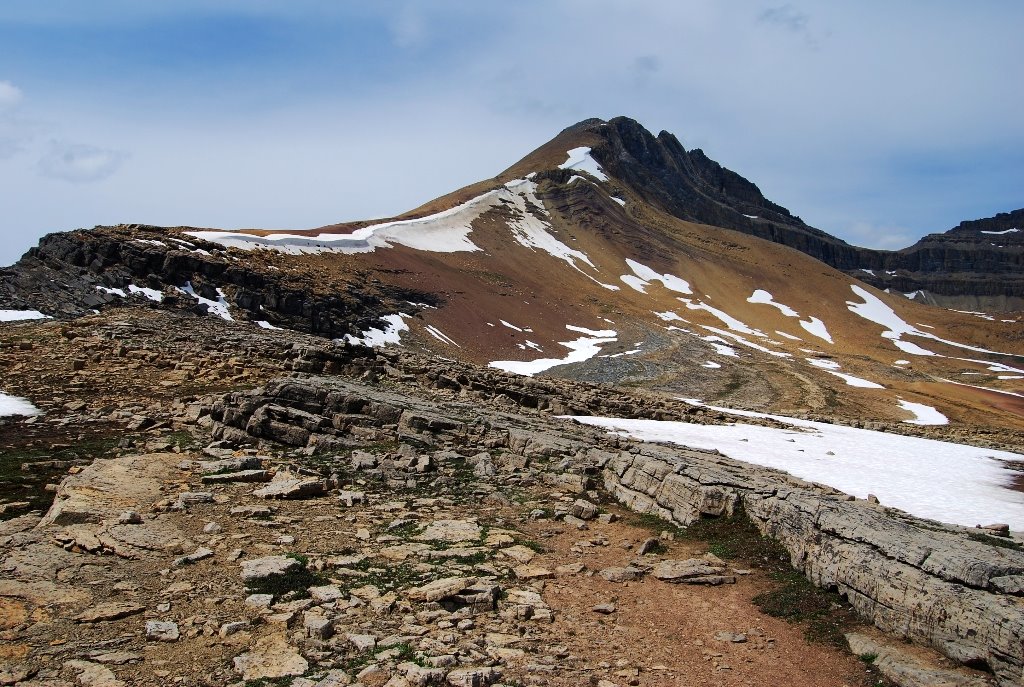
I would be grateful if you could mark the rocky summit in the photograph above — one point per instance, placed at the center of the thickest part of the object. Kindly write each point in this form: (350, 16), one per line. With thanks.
(609, 418)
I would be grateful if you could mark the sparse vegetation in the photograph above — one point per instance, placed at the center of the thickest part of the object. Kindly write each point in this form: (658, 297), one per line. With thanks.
(1000, 542)
(293, 584)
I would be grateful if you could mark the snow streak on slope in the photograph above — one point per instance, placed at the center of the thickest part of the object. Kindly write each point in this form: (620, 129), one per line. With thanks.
(532, 232)
(14, 405)
(931, 479)
(580, 349)
(645, 275)
(579, 158)
(876, 311)
(729, 321)
(833, 368)
(811, 325)
(762, 296)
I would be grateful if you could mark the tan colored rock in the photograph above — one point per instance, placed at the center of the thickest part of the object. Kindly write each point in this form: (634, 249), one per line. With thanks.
(451, 531)
(112, 610)
(270, 657)
(261, 568)
(518, 553)
(288, 486)
(532, 572)
(441, 589)
(93, 674)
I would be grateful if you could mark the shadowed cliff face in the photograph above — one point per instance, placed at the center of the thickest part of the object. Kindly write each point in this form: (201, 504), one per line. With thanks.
(964, 267)
(69, 274)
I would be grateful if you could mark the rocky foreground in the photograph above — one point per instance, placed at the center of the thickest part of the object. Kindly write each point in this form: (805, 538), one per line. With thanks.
(312, 515)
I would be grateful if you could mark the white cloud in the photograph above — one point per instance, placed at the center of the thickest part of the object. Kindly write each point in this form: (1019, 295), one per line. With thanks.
(10, 95)
(80, 162)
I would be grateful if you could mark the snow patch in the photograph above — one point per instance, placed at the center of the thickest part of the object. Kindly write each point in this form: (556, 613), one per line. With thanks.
(15, 405)
(266, 325)
(812, 326)
(876, 311)
(580, 349)
(530, 231)
(443, 232)
(729, 321)
(1001, 233)
(635, 283)
(19, 315)
(765, 298)
(816, 327)
(218, 307)
(923, 415)
(646, 275)
(580, 158)
(833, 368)
(669, 316)
(156, 296)
(374, 336)
(964, 485)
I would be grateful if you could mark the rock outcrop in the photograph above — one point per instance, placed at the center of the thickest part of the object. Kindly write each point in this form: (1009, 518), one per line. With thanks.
(68, 274)
(937, 585)
(916, 579)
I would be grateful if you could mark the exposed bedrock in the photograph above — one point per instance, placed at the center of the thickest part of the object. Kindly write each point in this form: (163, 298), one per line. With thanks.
(68, 274)
(942, 586)
(916, 579)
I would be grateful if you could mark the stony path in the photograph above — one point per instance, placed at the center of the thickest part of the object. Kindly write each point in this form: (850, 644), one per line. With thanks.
(204, 584)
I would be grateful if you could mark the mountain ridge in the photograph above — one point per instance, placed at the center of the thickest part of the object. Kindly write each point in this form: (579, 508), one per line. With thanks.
(689, 185)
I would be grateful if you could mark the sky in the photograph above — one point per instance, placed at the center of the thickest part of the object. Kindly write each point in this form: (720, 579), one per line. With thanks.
(876, 121)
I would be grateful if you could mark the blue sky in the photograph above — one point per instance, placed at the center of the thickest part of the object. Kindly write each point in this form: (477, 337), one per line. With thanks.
(876, 121)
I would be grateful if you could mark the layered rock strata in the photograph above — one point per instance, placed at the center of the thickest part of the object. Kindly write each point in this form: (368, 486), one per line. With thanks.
(936, 585)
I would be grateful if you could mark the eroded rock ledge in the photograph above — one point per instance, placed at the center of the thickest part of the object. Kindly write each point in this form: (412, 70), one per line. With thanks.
(919, 580)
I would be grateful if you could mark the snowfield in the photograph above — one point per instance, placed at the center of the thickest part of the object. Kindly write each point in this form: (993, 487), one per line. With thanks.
(932, 479)
(14, 405)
